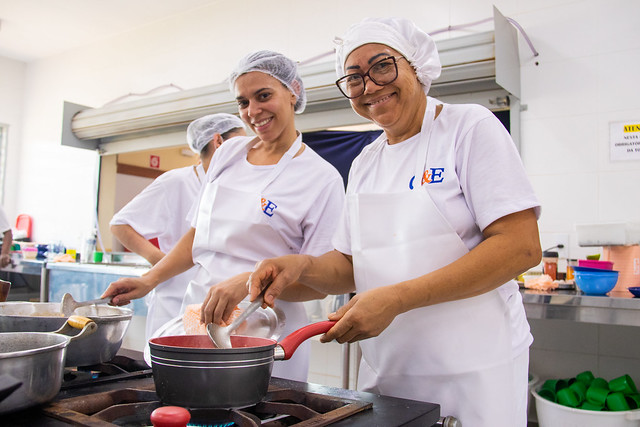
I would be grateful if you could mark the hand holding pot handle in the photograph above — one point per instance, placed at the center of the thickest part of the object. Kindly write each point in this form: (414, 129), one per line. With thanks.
(294, 339)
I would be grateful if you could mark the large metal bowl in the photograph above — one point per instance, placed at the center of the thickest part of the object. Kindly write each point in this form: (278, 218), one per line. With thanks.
(100, 347)
(36, 360)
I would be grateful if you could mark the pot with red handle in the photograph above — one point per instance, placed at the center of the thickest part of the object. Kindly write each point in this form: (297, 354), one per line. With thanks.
(189, 371)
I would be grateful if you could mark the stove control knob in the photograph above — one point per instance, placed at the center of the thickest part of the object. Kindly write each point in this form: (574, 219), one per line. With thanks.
(170, 416)
(448, 421)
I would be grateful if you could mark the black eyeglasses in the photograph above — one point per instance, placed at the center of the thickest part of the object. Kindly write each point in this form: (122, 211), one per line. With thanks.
(381, 73)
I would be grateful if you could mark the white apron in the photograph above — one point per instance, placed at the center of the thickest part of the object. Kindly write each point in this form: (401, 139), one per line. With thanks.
(232, 234)
(457, 354)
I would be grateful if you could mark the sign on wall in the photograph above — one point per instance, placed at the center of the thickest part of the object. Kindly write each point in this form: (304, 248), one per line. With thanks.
(624, 138)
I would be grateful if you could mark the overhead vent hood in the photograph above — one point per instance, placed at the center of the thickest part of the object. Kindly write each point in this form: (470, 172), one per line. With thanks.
(476, 68)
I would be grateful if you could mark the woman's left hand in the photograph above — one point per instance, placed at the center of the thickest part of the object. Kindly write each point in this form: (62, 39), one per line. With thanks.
(366, 315)
(223, 298)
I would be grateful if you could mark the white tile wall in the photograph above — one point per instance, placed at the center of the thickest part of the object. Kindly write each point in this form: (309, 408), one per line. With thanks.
(562, 349)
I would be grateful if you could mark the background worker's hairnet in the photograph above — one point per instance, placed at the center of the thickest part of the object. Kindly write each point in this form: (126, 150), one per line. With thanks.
(398, 33)
(277, 66)
(200, 131)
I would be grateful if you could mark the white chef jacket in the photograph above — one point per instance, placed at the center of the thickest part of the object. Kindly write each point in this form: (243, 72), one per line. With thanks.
(311, 189)
(474, 176)
(160, 211)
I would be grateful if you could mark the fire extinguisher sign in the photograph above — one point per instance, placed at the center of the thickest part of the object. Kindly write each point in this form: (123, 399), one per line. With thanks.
(154, 161)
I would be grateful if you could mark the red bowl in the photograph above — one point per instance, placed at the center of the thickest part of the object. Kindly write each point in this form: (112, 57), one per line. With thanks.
(592, 263)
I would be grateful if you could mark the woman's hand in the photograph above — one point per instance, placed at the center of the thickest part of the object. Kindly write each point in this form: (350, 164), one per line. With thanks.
(5, 260)
(365, 316)
(126, 289)
(276, 274)
(223, 298)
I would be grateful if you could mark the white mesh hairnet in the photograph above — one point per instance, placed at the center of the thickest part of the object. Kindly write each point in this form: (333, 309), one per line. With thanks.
(276, 65)
(398, 33)
(200, 131)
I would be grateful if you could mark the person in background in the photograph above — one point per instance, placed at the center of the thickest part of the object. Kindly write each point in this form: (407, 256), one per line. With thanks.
(160, 211)
(440, 217)
(265, 196)
(7, 239)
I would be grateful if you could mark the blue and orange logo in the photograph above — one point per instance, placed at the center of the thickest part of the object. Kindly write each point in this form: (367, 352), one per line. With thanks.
(430, 176)
(268, 206)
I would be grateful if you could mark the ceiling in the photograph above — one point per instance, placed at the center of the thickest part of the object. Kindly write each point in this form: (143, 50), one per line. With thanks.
(35, 29)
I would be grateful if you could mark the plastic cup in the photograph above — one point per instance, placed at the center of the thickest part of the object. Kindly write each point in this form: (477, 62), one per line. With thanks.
(568, 397)
(591, 407)
(586, 377)
(600, 382)
(580, 389)
(547, 394)
(597, 395)
(623, 384)
(617, 402)
(633, 400)
(97, 257)
(555, 385)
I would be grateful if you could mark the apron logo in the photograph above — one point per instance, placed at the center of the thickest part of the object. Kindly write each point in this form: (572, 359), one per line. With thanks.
(268, 206)
(430, 176)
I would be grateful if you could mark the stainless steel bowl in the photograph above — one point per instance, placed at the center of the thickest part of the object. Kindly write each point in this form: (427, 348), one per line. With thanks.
(100, 347)
(36, 360)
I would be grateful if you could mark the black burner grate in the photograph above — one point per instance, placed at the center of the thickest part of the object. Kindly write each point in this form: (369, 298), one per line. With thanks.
(133, 407)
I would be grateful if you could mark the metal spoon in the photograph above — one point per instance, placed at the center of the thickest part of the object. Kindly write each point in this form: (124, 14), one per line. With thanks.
(221, 335)
(68, 304)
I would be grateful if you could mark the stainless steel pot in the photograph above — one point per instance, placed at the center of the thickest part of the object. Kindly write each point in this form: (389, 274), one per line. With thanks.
(46, 317)
(189, 371)
(36, 359)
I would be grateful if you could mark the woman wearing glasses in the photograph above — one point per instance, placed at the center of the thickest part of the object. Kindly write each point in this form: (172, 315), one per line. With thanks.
(440, 217)
(264, 196)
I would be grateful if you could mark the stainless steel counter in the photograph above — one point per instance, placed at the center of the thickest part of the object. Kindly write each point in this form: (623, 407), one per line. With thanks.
(617, 308)
(117, 269)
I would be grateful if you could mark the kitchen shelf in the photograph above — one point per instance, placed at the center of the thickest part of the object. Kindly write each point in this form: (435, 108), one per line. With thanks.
(618, 308)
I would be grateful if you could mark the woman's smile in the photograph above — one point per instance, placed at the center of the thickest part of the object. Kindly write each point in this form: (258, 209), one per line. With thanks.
(380, 100)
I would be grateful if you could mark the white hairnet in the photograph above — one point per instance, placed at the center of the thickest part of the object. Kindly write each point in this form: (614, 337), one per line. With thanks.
(398, 33)
(277, 66)
(200, 131)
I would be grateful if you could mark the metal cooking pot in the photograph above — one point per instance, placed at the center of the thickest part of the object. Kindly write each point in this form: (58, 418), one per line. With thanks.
(189, 371)
(36, 359)
(46, 316)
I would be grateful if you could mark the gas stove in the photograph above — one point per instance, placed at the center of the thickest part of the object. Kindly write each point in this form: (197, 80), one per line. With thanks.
(128, 398)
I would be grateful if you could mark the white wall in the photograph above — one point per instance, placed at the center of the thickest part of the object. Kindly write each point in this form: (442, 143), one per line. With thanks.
(12, 87)
(582, 80)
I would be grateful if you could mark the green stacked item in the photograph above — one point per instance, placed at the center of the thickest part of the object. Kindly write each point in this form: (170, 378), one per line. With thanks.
(584, 391)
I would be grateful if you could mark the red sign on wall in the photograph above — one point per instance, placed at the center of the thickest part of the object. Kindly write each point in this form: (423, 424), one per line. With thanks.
(154, 161)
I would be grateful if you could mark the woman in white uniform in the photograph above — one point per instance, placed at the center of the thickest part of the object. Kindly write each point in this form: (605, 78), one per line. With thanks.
(265, 196)
(440, 217)
(160, 211)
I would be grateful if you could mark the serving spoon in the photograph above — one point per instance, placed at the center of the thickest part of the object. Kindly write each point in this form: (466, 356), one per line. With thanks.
(68, 304)
(221, 335)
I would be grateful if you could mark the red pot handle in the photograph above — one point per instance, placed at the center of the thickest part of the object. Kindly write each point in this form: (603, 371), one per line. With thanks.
(291, 342)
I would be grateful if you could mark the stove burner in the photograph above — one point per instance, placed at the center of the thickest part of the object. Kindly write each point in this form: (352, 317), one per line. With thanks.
(133, 407)
(118, 368)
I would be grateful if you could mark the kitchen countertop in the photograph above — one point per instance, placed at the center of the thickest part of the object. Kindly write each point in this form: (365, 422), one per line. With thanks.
(112, 268)
(616, 308)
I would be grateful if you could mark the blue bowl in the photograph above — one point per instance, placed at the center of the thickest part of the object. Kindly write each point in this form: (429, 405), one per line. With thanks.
(635, 290)
(594, 281)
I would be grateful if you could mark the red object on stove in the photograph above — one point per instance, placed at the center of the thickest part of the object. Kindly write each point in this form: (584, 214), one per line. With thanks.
(170, 416)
